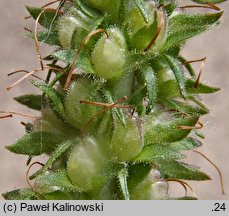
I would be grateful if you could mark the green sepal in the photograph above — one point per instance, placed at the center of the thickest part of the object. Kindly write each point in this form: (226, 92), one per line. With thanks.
(186, 25)
(158, 132)
(60, 195)
(137, 172)
(188, 143)
(54, 181)
(86, 9)
(47, 37)
(150, 81)
(142, 9)
(180, 170)
(150, 153)
(110, 171)
(122, 180)
(21, 194)
(184, 107)
(82, 62)
(178, 72)
(170, 7)
(59, 151)
(122, 11)
(31, 101)
(35, 143)
(48, 17)
(201, 88)
(54, 97)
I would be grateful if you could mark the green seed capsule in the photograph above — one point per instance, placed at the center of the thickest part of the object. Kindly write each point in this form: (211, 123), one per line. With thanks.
(85, 162)
(150, 188)
(167, 84)
(82, 116)
(127, 142)
(74, 21)
(109, 55)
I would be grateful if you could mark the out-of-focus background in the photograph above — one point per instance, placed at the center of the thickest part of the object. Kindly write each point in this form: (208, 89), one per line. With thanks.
(18, 53)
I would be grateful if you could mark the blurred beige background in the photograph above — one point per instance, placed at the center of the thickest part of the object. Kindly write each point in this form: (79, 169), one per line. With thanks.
(16, 53)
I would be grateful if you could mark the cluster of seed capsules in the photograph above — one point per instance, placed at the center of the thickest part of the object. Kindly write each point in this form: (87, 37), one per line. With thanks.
(123, 102)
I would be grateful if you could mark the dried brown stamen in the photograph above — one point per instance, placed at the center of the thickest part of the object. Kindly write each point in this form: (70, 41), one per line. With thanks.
(10, 114)
(216, 167)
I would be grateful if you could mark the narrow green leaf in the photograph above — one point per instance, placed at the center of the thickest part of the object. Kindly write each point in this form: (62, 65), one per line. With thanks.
(188, 66)
(31, 101)
(142, 9)
(178, 72)
(186, 25)
(47, 37)
(200, 89)
(137, 172)
(122, 11)
(151, 84)
(54, 181)
(54, 97)
(119, 113)
(122, 179)
(62, 148)
(186, 144)
(110, 171)
(87, 10)
(179, 170)
(82, 62)
(185, 107)
(209, 1)
(157, 132)
(46, 19)
(154, 152)
(170, 7)
(22, 194)
(36, 143)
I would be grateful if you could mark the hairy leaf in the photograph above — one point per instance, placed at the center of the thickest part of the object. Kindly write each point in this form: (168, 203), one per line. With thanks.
(54, 181)
(157, 132)
(61, 149)
(47, 18)
(47, 37)
(110, 171)
(32, 101)
(178, 72)
(54, 97)
(122, 179)
(186, 144)
(186, 25)
(154, 152)
(22, 194)
(200, 89)
(137, 172)
(82, 62)
(142, 9)
(36, 143)
(151, 84)
(179, 170)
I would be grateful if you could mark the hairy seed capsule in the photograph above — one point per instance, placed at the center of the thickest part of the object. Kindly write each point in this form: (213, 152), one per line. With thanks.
(109, 55)
(81, 115)
(85, 162)
(167, 84)
(127, 142)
